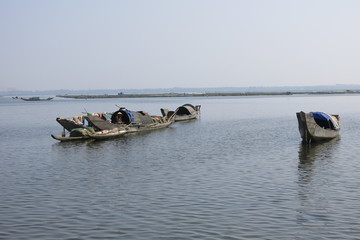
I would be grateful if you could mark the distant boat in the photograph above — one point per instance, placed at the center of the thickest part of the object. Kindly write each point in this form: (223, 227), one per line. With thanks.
(34, 98)
(183, 113)
(318, 126)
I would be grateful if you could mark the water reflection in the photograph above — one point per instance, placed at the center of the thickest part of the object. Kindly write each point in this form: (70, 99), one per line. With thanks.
(316, 150)
(314, 180)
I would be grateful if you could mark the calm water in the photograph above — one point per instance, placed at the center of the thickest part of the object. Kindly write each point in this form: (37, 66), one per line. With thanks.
(240, 172)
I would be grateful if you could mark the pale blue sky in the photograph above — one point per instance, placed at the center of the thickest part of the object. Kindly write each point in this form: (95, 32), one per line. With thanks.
(120, 44)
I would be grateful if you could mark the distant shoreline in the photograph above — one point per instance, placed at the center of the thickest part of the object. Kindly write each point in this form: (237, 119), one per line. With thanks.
(211, 94)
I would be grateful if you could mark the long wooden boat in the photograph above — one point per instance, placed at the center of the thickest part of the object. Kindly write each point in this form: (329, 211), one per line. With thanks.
(318, 126)
(105, 126)
(36, 99)
(184, 112)
(128, 121)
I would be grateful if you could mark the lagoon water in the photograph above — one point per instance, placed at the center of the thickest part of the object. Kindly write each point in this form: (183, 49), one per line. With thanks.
(239, 172)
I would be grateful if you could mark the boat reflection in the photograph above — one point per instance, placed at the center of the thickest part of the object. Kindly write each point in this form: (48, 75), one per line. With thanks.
(308, 153)
(319, 152)
(314, 180)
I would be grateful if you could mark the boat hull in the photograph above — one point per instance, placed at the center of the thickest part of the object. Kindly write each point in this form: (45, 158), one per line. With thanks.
(110, 129)
(76, 134)
(68, 138)
(180, 118)
(185, 112)
(310, 131)
(105, 135)
(148, 127)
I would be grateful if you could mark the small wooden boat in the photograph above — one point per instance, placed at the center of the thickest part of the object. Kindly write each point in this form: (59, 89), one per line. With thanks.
(76, 128)
(184, 112)
(318, 126)
(36, 99)
(69, 123)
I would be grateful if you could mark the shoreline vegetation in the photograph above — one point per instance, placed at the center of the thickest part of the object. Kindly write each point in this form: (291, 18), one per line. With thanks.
(209, 94)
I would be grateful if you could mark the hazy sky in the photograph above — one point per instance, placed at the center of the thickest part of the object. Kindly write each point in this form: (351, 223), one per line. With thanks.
(119, 44)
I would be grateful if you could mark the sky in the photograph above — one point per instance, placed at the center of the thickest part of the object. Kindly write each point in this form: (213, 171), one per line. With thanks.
(138, 44)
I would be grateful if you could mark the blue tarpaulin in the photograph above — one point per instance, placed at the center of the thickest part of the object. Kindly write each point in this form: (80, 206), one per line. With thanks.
(325, 120)
(321, 116)
(132, 118)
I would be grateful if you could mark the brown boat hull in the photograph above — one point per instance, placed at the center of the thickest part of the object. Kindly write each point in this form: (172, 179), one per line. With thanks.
(311, 131)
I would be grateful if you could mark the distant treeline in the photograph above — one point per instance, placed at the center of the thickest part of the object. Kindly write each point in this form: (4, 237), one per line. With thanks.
(210, 94)
(191, 91)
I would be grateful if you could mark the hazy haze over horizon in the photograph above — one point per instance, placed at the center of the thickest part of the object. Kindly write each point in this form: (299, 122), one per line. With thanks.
(139, 44)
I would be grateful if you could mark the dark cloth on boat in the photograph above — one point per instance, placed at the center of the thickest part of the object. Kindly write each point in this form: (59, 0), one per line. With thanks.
(125, 116)
(324, 120)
